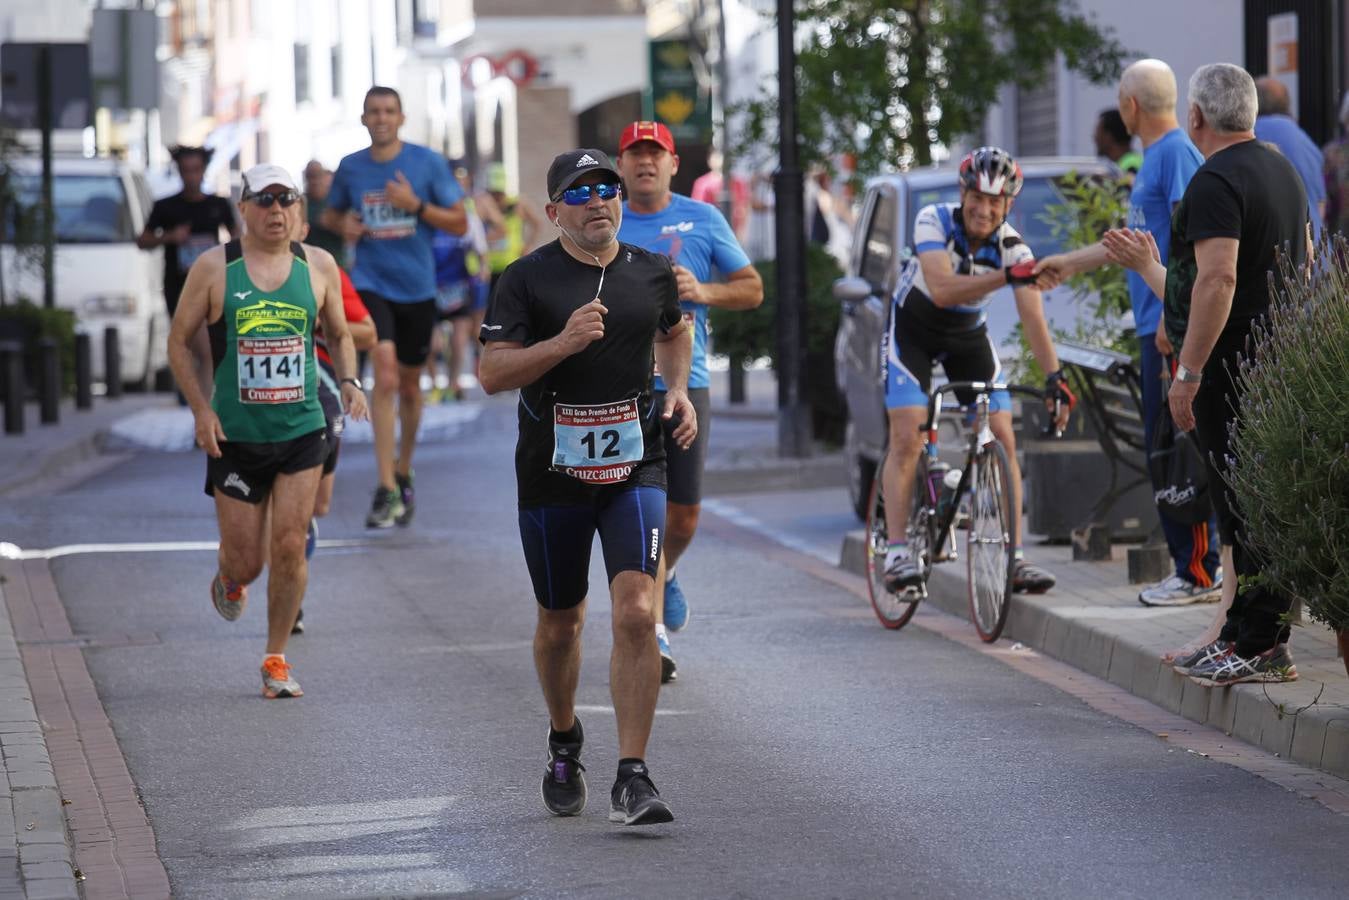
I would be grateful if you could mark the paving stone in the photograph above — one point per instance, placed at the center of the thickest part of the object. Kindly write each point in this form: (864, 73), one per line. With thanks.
(39, 870)
(1222, 709)
(1309, 738)
(53, 889)
(35, 853)
(1335, 754)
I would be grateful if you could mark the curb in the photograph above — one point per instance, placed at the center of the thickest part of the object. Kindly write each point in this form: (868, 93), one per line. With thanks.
(33, 831)
(773, 473)
(1316, 736)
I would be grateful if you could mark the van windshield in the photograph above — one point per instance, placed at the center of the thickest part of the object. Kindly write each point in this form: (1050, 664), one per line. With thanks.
(90, 209)
(1028, 213)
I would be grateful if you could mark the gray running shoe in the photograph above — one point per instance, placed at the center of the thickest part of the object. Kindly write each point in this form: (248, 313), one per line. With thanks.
(1202, 656)
(1273, 666)
(1178, 591)
(385, 509)
(637, 802)
(228, 598)
(277, 681)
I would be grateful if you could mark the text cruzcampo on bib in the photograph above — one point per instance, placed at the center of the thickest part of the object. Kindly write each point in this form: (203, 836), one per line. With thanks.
(597, 444)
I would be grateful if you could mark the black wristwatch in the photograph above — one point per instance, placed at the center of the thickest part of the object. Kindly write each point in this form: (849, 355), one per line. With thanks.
(355, 382)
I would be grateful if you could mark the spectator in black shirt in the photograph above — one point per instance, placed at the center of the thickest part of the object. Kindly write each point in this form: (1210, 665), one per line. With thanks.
(186, 225)
(1243, 205)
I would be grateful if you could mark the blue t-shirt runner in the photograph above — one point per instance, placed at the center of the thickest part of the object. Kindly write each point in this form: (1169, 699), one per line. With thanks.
(1168, 165)
(394, 257)
(696, 236)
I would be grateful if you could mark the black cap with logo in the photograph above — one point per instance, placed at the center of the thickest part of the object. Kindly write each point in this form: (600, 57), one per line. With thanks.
(570, 166)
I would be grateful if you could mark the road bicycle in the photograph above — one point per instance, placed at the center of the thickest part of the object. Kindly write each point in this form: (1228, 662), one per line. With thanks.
(982, 499)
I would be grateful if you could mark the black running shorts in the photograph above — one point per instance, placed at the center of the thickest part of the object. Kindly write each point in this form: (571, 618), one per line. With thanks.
(684, 468)
(408, 325)
(246, 471)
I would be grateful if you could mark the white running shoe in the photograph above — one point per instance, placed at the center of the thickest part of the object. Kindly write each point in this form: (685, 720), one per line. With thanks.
(1177, 591)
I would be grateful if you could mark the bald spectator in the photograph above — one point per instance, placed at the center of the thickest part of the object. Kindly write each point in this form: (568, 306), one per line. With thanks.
(1275, 124)
(1147, 107)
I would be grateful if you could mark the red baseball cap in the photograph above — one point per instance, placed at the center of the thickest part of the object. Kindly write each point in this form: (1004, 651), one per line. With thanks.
(646, 131)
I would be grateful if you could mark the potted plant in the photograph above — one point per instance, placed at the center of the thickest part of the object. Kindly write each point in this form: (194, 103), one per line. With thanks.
(1292, 446)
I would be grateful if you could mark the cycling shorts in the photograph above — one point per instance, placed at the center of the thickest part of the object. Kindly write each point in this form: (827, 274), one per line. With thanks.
(557, 540)
(911, 349)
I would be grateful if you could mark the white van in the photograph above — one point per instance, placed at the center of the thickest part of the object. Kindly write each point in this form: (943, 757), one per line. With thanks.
(101, 275)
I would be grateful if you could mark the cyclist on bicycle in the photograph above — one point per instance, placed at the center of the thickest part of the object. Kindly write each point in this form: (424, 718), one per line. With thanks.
(963, 253)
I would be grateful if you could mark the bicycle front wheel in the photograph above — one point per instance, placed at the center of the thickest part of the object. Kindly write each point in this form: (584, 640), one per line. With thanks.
(894, 610)
(988, 543)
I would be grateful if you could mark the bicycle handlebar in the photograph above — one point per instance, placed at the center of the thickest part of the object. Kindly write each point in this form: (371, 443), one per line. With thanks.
(988, 387)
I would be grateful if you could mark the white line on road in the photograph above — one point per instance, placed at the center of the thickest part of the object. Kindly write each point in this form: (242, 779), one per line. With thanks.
(14, 551)
(610, 710)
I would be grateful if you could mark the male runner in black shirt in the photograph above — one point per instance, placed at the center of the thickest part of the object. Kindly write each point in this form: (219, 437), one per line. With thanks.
(186, 225)
(572, 326)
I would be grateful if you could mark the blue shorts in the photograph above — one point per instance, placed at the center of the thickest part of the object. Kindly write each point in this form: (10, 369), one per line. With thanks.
(912, 349)
(630, 520)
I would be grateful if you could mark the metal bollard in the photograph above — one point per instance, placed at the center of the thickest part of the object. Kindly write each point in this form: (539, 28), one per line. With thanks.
(49, 382)
(112, 362)
(84, 372)
(11, 367)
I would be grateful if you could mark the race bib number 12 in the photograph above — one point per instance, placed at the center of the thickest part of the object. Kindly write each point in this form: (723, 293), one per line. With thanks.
(597, 444)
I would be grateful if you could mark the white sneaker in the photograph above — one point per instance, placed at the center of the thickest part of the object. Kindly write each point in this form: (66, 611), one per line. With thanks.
(1176, 591)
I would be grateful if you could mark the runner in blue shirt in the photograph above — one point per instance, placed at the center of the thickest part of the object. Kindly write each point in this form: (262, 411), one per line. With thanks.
(697, 238)
(389, 200)
(1148, 104)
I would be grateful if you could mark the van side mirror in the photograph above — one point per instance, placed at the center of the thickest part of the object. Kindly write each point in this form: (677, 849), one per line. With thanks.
(850, 291)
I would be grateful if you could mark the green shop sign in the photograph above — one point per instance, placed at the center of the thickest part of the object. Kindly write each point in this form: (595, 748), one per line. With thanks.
(679, 95)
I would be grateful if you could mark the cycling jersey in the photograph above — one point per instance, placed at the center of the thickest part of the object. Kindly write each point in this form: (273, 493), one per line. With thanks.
(939, 227)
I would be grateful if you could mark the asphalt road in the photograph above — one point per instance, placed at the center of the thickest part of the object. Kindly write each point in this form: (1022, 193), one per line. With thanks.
(806, 751)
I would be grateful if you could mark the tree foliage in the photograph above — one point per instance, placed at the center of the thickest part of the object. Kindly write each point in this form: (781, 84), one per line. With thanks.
(887, 80)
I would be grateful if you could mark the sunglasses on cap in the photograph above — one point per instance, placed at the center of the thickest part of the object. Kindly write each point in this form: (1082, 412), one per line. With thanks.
(576, 196)
(265, 199)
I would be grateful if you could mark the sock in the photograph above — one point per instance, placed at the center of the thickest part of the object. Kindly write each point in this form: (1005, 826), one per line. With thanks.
(280, 656)
(660, 630)
(630, 766)
(572, 736)
(896, 550)
(1018, 554)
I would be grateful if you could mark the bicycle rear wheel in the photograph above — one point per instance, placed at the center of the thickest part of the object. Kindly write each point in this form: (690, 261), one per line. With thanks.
(988, 543)
(894, 610)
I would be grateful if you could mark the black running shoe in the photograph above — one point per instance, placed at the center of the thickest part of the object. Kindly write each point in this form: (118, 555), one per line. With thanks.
(385, 509)
(408, 496)
(1028, 578)
(298, 627)
(564, 787)
(637, 802)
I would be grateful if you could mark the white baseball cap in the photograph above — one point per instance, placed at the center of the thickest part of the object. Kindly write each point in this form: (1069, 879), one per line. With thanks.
(265, 175)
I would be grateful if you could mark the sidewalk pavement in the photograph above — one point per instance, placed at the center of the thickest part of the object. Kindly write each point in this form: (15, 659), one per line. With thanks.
(1093, 621)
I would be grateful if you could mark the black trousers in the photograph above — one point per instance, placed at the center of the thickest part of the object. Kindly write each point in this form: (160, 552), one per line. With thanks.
(1256, 621)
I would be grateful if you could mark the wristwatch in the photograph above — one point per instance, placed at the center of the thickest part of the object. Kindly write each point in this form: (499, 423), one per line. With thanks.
(354, 382)
(1185, 375)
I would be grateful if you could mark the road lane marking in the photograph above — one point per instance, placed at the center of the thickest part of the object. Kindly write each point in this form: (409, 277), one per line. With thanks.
(14, 551)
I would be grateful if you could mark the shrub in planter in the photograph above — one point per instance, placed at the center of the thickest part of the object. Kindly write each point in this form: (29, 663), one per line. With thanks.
(1292, 446)
(747, 335)
(26, 323)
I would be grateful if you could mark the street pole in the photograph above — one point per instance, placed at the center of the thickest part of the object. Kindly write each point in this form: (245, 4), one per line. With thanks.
(793, 416)
(44, 124)
(736, 373)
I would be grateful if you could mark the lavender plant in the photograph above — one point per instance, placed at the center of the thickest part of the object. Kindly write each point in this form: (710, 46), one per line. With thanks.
(1291, 445)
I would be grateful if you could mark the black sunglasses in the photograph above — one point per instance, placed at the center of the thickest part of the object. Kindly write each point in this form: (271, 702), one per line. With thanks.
(266, 198)
(576, 196)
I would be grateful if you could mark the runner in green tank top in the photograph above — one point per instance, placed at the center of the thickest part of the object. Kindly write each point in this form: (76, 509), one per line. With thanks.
(263, 428)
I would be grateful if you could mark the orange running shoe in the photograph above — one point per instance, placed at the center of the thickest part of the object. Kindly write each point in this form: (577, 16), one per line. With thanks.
(276, 680)
(228, 598)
